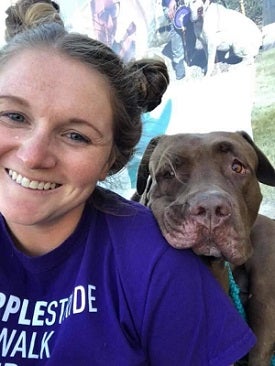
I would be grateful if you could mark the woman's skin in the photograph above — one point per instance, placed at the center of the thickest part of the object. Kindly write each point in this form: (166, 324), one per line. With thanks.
(55, 128)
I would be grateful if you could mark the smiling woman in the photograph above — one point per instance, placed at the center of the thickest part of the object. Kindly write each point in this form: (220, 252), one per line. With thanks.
(51, 142)
(86, 277)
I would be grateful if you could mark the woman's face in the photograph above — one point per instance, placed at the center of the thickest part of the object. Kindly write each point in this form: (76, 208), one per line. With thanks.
(55, 137)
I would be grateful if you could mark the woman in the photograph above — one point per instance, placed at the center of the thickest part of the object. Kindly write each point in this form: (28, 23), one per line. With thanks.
(86, 277)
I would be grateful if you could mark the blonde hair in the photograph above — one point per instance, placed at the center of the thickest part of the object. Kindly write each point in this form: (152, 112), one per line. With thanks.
(27, 14)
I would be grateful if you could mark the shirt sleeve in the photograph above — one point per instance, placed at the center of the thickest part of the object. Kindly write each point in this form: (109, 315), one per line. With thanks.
(188, 319)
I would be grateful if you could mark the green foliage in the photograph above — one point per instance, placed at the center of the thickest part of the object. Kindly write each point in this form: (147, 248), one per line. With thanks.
(253, 8)
(263, 112)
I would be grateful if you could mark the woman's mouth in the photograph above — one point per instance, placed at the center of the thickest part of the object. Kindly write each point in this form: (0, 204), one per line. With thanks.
(32, 184)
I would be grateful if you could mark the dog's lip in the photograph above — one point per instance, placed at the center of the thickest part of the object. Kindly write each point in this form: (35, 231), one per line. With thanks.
(238, 260)
(174, 236)
(214, 250)
(178, 235)
(208, 250)
(216, 259)
(176, 241)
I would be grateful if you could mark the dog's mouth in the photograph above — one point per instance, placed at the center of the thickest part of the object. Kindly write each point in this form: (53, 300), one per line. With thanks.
(209, 250)
(234, 251)
(183, 234)
(223, 243)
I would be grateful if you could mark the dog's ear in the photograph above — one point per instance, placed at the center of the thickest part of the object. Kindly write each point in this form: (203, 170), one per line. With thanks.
(143, 169)
(265, 171)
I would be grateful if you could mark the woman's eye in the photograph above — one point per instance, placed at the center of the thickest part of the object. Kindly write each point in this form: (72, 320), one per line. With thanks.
(12, 116)
(75, 136)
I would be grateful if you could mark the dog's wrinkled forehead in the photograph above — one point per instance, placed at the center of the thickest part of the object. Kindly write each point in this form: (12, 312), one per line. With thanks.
(200, 147)
(169, 150)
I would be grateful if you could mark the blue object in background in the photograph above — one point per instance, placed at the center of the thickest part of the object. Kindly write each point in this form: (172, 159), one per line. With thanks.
(182, 17)
(151, 127)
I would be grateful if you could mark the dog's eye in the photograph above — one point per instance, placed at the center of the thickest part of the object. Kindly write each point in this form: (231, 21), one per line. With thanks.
(238, 167)
(168, 174)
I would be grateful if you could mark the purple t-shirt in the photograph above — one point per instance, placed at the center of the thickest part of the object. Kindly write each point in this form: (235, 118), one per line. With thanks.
(115, 293)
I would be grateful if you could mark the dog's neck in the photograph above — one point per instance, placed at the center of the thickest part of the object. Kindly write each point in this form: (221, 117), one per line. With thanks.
(218, 269)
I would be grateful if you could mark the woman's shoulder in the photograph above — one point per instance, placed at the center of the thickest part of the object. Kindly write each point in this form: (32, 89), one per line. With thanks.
(118, 209)
(109, 201)
(135, 235)
(158, 280)
(139, 247)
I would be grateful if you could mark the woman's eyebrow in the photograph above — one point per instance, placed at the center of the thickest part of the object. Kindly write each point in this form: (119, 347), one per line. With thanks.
(14, 98)
(84, 122)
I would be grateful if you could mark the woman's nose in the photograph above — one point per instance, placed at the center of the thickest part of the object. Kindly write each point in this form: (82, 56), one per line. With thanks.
(36, 152)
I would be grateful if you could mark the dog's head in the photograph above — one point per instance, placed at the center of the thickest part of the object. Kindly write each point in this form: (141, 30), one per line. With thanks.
(204, 190)
(197, 8)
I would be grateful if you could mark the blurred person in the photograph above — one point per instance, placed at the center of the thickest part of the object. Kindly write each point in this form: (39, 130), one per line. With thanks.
(176, 39)
(105, 15)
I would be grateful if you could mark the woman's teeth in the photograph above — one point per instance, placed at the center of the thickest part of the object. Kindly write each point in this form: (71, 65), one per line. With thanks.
(32, 184)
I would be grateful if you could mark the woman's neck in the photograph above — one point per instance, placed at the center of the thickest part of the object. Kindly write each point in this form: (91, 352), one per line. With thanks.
(37, 240)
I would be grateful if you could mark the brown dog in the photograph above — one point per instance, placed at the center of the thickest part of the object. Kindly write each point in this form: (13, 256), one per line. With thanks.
(204, 192)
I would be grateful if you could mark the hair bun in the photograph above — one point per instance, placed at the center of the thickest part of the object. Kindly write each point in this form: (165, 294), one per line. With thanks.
(30, 13)
(152, 79)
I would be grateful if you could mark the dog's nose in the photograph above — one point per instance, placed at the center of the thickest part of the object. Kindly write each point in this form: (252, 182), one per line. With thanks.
(210, 209)
(200, 10)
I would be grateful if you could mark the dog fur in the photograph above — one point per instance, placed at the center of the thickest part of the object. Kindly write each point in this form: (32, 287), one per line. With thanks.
(204, 191)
